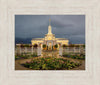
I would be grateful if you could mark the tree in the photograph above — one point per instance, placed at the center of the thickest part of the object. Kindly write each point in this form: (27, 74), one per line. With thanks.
(77, 45)
(71, 45)
(64, 45)
(35, 45)
(84, 46)
(26, 45)
(22, 45)
(56, 46)
(44, 45)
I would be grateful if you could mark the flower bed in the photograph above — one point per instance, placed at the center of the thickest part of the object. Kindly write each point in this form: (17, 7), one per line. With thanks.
(51, 63)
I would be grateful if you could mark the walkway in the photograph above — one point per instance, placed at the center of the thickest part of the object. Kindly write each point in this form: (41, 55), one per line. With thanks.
(19, 64)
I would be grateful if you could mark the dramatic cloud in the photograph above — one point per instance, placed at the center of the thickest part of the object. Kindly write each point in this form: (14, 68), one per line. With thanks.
(71, 27)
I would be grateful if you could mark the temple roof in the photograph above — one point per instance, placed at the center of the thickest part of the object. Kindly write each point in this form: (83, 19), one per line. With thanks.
(43, 38)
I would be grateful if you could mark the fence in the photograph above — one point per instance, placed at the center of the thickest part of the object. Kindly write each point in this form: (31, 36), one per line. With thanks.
(25, 50)
(74, 50)
(32, 50)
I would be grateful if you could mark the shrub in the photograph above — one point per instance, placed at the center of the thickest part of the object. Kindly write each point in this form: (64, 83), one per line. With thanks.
(64, 45)
(26, 45)
(44, 45)
(25, 56)
(81, 56)
(35, 45)
(84, 46)
(16, 57)
(56, 46)
(71, 45)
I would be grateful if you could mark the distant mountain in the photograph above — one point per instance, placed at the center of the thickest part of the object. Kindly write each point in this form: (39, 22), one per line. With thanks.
(23, 41)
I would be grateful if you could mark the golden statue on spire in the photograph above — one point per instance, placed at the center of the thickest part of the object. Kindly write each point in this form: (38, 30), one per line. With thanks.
(49, 21)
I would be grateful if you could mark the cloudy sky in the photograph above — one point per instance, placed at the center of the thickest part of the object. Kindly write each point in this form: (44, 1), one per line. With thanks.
(71, 27)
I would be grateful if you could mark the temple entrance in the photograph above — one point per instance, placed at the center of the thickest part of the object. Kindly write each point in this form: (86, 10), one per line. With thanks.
(52, 49)
(50, 46)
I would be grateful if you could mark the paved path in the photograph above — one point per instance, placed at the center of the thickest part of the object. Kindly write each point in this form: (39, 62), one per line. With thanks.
(19, 66)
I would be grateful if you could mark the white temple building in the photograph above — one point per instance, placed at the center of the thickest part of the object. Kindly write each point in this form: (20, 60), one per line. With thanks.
(50, 40)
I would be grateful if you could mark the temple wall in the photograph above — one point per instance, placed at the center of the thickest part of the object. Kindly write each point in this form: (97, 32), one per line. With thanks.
(36, 41)
(66, 42)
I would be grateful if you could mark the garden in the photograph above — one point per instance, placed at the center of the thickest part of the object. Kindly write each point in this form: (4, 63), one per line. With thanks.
(51, 63)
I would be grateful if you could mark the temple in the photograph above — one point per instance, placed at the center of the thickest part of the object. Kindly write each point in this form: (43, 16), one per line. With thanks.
(50, 40)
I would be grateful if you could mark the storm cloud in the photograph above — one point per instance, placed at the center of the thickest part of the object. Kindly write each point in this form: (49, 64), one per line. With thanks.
(71, 27)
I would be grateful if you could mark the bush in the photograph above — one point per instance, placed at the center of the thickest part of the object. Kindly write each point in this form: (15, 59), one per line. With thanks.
(50, 63)
(81, 56)
(25, 56)
(64, 45)
(44, 46)
(21, 57)
(16, 57)
(56, 46)
(26, 45)
(35, 46)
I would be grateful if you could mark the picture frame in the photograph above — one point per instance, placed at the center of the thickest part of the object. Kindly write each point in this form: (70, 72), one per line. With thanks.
(89, 76)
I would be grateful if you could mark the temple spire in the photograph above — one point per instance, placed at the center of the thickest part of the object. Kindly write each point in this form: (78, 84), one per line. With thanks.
(49, 27)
